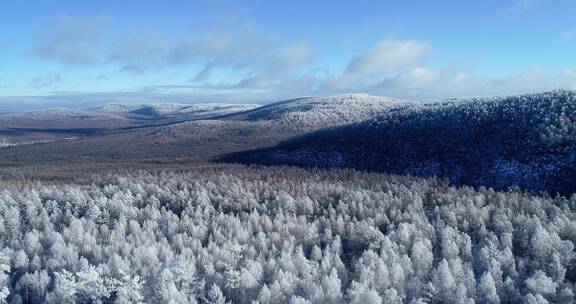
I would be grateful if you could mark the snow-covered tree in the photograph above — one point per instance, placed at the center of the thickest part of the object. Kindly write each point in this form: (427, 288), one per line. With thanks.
(4, 276)
(221, 235)
(487, 292)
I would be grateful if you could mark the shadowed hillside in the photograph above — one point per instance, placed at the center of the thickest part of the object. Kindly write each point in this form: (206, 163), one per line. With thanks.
(527, 141)
(166, 134)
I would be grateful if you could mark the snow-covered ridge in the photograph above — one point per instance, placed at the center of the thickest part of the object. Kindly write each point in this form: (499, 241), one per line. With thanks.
(171, 108)
(323, 111)
(56, 114)
(527, 141)
(119, 111)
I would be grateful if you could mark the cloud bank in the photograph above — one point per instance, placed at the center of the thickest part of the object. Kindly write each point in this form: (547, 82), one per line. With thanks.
(72, 40)
(246, 64)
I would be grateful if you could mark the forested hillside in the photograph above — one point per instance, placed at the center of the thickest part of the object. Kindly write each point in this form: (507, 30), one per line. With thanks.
(136, 135)
(269, 124)
(310, 113)
(527, 141)
(283, 235)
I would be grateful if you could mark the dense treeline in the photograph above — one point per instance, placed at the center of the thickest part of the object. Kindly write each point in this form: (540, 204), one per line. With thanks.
(527, 141)
(283, 235)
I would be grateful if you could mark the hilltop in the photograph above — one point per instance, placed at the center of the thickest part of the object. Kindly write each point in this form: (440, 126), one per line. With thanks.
(527, 141)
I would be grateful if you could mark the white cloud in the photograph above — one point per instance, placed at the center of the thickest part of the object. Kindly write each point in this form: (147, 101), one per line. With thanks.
(255, 66)
(409, 77)
(442, 83)
(281, 70)
(525, 3)
(237, 47)
(568, 34)
(50, 81)
(570, 76)
(415, 83)
(139, 50)
(519, 6)
(419, 77)
(292, 57)
(388, 57)
(72, 40)
(398, 68)
(88, 41)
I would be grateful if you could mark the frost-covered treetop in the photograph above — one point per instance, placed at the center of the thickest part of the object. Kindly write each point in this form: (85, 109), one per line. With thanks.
(283, 235)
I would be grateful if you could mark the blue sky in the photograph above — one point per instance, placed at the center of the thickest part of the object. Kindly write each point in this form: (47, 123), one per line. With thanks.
(83, 52)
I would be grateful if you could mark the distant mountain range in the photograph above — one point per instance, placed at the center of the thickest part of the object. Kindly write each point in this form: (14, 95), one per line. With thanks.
(173, 109)
(116, 115)
(167, 135)
(527, 141)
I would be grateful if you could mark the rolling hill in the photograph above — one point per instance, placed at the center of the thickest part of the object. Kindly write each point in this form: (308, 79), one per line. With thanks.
(170, 134)
(171, 110)
(527, 141)
(111, 116)
(267, 125)
(58, 123)
(318, 112)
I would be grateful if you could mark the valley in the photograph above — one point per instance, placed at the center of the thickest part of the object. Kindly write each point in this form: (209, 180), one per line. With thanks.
(379, 200)
(523, 141)
(287, 152)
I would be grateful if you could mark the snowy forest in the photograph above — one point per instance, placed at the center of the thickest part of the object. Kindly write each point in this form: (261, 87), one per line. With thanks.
(287, 152)
(235, 234)
(523, 140)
